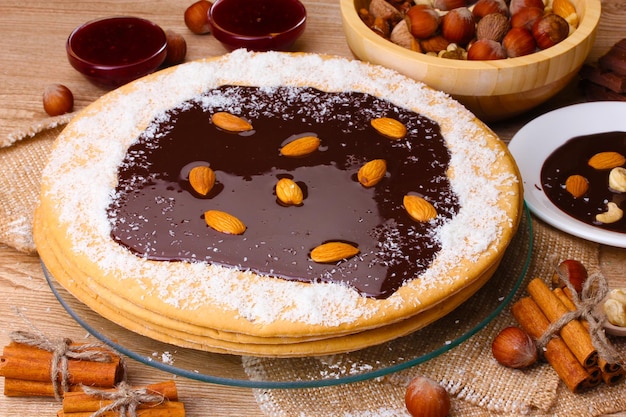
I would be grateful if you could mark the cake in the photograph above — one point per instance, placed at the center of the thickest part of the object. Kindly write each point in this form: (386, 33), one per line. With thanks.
(124, 228)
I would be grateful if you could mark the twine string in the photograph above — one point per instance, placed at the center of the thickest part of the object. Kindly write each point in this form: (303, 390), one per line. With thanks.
(125, 399)
(594, 290)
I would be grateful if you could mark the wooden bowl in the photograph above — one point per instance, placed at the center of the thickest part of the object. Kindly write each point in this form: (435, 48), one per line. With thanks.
(492, 90)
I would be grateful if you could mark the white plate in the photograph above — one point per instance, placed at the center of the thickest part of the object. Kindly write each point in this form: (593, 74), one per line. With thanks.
(533, 143)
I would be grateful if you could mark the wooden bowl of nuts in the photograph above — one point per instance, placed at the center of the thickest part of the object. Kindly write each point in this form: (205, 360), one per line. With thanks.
(499, 68)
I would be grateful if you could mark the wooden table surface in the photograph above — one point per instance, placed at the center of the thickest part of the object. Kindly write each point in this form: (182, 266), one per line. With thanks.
(32, 36)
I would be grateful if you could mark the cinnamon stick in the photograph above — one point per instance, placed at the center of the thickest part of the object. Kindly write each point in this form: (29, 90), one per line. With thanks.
(573, 333)
(614, 378)
(24, 388)
(166, 409)
(79, 401)
(568, 368)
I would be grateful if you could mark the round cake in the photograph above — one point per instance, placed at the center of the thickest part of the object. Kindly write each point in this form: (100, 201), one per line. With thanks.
(276, 204)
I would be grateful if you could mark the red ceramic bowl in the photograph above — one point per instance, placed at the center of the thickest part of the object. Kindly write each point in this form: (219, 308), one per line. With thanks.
(260, 25)
(113, 51)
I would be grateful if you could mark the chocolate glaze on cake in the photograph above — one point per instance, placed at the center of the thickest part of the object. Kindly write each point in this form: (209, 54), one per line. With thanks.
(157, 215)
(571, 158)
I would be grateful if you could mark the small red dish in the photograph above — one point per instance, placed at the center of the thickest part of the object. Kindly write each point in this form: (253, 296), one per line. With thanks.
(260, 25)
(113, 51)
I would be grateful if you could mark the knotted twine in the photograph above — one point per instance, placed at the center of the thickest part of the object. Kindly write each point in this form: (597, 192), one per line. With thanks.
(594, 290)
(62, 350)
(125, 399)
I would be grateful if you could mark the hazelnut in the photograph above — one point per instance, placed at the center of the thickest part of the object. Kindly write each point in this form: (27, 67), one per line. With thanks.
(400, 35)
(197, 17)
(484, 7)
(572, 270)
(458, 25)
(514, 348)
(516, 5)
(549, 30)
(423, 21)
(57, 100)
(446, 5)
(426, 398)
(519, 42)
(176, 48)
(485, 50)
(435, 44)
(384, 10)
(493, 26)
(526, 17)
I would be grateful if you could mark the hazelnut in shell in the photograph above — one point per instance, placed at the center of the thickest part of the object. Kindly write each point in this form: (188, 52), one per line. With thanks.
(458, 26)
(526, 17)
(176, 48)
(484, 7)
(424, 397)
(549, 30)
(519, 42)
(423, 21)
(493, 26)
(57, 100)
(485, 50)
(197, 18)
(516, 5)
(447, 5)
(574, 271)
(514, 348)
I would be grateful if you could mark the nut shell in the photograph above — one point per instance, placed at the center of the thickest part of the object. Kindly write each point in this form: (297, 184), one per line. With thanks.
(494, 26)
(514, 348)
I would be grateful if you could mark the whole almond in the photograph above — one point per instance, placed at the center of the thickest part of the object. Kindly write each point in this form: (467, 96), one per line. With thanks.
(301, 146)
(333, 252)
(230, 122)
(289, 192)
(202, 179)
(576, 185)
(606, 160)
(419, 209)
(372, 172)
(224, 222)
(389, 128)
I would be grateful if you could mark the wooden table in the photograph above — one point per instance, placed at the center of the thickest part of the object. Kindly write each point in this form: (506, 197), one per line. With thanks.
(33, 35)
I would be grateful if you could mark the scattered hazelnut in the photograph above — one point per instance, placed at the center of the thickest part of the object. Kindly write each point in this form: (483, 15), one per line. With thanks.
(458, 25)
(57, 100)
(519, 42)
(484, 7)
(513, 347)
(423, 21)
(176, 48)
(426, 398)
(549, 30)
(572, 270)
(485, 50)
(197, 18)
(493, 26)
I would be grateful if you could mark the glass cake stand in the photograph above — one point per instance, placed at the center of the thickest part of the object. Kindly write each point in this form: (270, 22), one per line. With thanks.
(281, 373)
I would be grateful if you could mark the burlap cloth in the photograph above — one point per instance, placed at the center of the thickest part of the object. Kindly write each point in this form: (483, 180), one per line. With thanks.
(478, 385)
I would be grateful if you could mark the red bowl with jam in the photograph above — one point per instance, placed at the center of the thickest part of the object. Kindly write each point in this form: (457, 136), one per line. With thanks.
(113, 51)
(260, 25)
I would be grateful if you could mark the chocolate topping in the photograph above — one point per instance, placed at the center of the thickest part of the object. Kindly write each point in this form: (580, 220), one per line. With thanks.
(571, 158)
(157, 215)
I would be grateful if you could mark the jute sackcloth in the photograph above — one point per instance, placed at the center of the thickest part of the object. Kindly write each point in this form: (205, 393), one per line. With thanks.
(479, 386)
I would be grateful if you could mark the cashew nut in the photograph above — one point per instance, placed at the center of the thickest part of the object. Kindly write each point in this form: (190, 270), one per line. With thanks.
(613, 214)
(615, 312)
(617, 179)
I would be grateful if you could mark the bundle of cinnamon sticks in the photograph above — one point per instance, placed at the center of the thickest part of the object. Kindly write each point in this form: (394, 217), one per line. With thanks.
(571, 352)
(83, 404)
(28, 371)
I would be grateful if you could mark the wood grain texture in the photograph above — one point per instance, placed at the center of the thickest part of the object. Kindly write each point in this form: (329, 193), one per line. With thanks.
(33, 34)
